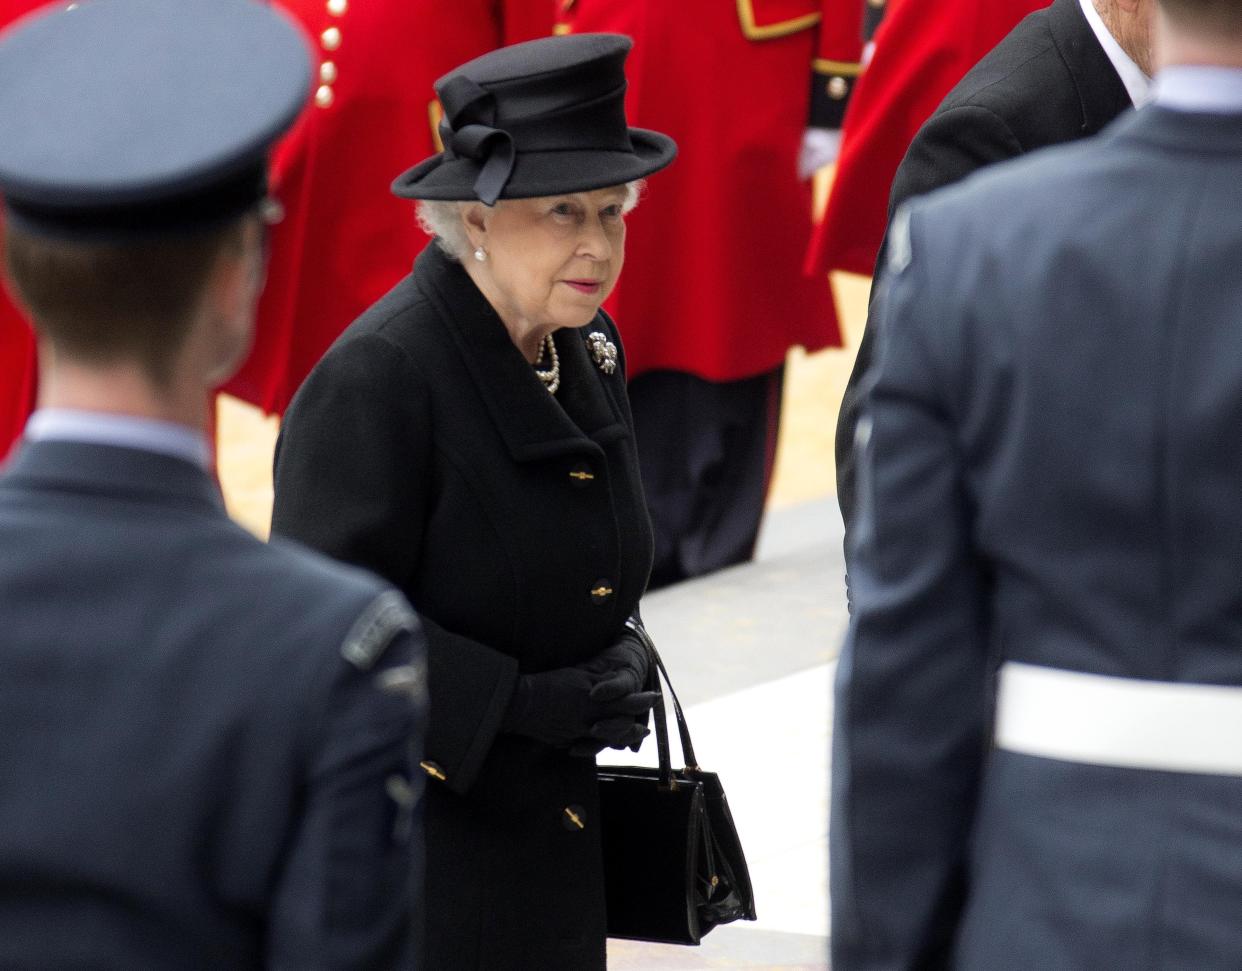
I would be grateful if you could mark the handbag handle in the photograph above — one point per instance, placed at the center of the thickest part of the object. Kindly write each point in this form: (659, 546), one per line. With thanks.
(661, 715)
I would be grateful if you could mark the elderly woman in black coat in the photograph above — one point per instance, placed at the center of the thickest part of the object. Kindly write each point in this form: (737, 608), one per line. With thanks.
(469, 439)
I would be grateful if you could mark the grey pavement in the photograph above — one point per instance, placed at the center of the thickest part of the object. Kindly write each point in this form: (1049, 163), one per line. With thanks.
(782, 613)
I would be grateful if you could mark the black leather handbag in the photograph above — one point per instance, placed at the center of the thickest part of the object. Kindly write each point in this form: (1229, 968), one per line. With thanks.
(673, 864)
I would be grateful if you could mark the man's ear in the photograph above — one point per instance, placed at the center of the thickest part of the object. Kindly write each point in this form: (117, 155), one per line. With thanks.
(226, 284)
(232, 293)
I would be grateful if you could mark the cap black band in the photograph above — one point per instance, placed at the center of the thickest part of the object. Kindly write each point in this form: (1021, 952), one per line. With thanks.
(193, 212)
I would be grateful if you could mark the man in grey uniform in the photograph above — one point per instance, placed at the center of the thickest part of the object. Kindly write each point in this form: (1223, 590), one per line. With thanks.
(208, 745)
(1040, 701)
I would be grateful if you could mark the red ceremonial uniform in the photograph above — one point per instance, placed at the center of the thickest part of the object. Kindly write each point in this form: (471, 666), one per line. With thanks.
(18, 366)
(346, 240)
(525, 19)
(921, 52)
(18, 374)
(712, 283)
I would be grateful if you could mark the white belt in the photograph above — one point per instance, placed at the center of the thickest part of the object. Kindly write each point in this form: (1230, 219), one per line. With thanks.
(1123, 722)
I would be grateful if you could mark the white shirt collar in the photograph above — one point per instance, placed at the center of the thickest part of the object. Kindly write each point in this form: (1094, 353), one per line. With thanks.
(1214, 90)
(126, 431)
(1138, 84)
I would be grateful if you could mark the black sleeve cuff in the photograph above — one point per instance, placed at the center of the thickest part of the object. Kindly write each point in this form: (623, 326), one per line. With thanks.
(873, 14)
(471, 686)
(832, 83)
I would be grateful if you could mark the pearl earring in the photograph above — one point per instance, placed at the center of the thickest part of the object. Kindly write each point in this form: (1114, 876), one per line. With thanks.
(480, 254)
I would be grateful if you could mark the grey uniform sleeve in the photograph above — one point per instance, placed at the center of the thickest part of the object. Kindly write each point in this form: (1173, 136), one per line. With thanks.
(350, 892)
(911, 716)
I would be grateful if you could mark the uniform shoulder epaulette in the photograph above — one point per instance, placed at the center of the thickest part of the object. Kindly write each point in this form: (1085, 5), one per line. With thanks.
(376, 628)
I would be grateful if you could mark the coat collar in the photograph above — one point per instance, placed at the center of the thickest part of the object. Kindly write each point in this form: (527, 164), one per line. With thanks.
(113, 471)
(582, 417)
(1100, 90)
(1201, 133)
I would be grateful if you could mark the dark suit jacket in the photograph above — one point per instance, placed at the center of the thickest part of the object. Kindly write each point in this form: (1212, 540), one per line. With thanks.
(1046, 83)
(192, 775)
(1051, 476)
(424, 448)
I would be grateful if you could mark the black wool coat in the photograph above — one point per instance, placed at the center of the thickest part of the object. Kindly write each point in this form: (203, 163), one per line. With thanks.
(424, 447)
(1048, 82)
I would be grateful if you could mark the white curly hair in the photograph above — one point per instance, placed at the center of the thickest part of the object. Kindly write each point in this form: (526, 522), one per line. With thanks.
(442, 220)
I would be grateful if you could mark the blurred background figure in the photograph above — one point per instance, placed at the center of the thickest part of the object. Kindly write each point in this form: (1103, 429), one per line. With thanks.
(1063, 73)
(18, 366)
(345, 240)
(713, 297)
(18, 371)
(921, 51)
(209, 743)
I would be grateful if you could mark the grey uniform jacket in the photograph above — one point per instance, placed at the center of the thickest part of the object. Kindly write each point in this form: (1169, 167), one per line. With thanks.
(1051, 476)
(192, 772)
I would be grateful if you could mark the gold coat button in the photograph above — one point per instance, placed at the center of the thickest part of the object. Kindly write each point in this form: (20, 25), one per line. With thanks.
(433, 770)
(601, 591)
(327, 73)
(338, 7)
(581, 474)
(330, 38)
(838, 88)
(324, 96)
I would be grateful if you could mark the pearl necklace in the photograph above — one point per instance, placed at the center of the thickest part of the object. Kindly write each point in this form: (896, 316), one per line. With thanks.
(551, 377)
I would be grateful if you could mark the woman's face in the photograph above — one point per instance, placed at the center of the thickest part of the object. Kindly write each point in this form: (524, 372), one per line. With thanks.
(553, 260)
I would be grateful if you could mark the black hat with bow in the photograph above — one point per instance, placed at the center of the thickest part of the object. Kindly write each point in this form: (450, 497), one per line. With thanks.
(537, 119)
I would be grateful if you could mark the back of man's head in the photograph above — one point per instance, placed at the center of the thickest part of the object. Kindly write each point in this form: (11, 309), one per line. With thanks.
(1220, 19)
(108, 303)
(133, 172)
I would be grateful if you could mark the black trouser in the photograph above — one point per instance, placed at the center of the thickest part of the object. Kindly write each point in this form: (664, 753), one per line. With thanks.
(705, 449)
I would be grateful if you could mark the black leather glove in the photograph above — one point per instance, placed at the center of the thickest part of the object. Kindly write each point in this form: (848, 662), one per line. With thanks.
(559, 707)
(624, 731)
(622, 669)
